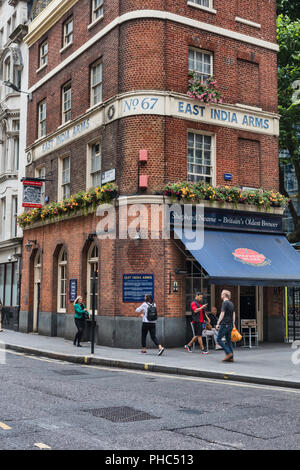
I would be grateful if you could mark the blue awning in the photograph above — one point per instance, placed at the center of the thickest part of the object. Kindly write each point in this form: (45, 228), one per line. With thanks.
(238, 258)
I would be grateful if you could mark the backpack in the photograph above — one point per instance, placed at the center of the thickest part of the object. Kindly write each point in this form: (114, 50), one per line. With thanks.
(151, 312)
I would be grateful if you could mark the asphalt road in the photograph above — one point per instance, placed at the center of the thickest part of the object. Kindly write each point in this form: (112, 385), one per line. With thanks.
(58, 405)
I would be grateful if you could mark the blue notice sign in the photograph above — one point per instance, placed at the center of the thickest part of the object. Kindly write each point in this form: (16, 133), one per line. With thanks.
(135, 286)
(73, 290)
(228, 177)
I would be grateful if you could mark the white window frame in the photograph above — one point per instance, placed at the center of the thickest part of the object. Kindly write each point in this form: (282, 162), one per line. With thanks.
(212, 156)
(43, 58)
(97, 9)
(62, 268)
(42, 119)
(92, 261)
(90, 171)
(67, 102)
(3, 218)
(16, 148)
(64, 178)
(209, 8)
(95, 86)
(199, 73)
(40, 172)
(68, 35)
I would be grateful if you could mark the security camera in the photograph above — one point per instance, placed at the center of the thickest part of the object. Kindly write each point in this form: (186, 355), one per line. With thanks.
(9, 257)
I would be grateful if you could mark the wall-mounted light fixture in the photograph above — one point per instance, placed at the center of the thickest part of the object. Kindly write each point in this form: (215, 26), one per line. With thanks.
(14, 87)
(29, 245)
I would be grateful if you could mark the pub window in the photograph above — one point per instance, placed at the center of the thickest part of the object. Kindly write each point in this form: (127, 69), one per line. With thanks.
(42, 119)
(95, 164)
(68, 32)
(201, 62)
(96, 83)
(97, 9)
(65, 178)
(202, 3)
(196, 281)
(200, 158)
(43, 54)
(62, 281)
(92, 266)
(66, 102)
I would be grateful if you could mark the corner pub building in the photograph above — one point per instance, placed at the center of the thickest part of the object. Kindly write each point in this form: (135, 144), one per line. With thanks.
(109, 81)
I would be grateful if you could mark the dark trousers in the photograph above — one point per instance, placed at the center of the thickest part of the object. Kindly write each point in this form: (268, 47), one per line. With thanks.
(80, 327)
(149, 327)
(225, 330)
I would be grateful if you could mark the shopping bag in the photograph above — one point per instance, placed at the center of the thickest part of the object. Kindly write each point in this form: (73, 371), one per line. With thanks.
(235, 336)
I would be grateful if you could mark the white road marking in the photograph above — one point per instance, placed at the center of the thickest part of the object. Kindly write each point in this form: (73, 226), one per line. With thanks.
(4, 426)
(41, 445)
(165, 376)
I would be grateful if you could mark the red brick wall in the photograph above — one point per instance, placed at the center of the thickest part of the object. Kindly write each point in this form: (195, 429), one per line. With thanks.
(248, 83)
(249, 162)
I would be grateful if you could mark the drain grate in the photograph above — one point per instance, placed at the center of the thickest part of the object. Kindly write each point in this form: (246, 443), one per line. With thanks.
(121, 414)
(69, 372)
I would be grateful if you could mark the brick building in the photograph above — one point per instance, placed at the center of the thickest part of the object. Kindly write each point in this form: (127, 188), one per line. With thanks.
(109, 80)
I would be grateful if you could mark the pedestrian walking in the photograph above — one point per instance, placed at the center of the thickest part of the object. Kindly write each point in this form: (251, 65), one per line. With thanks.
(1, 306)
(81, 314)
(198, 323)
(210, 329)
(149, 314)
(225, 325)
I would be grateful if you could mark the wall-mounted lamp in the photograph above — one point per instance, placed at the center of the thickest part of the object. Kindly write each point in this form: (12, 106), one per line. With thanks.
(29, 245)
(180, 271)
(14, 87)
(91, 236)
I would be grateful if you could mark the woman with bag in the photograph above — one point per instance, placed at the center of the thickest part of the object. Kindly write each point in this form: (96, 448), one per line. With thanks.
(81, 314)
(149, 314)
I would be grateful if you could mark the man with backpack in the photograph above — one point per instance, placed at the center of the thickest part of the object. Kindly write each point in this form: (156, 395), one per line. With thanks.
(149, 314)
(198, 323)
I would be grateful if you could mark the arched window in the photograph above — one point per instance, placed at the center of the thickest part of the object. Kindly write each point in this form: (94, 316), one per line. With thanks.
(92, 266)
(37, 287)
(62, 281)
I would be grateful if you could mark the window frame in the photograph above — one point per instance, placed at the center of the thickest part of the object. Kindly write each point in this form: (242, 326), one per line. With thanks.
(14, 215)
(201, 51)
(210, 5)
(42, 122)
(62, 263)
(89, 160)
(94, 86)
(66, 34)
(66, 111)
(100, 8)
(40, 172)
(212, 155)
(42, 56)
(92, 261)
(63, 184)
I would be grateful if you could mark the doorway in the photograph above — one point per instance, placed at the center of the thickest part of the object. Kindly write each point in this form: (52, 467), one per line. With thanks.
(251, 306)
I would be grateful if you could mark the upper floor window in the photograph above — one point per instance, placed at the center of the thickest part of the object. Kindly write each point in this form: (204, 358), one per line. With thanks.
(96, 164)
(68, 32)
(14, 215)
(43, 54)
(42, 119)
(202, 3)
(96, 83)
(6, 74)
(66, 102)
(1, 37)
(200, 158)
(97, 9)
(201, 62)
(65, 178)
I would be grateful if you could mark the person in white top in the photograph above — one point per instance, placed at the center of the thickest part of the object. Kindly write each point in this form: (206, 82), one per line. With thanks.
(148, 309)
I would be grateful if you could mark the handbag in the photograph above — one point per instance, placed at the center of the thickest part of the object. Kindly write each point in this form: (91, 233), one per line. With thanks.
(85, 315)
(235, 335)
(208, 326)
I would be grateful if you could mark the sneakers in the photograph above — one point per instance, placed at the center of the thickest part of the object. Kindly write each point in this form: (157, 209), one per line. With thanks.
(160, 351)
(188, 348)
(218, 347)
(204, 351)
(143, 352)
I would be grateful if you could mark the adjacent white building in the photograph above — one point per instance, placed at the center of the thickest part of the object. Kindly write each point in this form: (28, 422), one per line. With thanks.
(14, 16)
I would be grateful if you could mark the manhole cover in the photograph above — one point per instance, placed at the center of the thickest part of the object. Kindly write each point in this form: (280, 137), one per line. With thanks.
(69, 372)
(121, 414)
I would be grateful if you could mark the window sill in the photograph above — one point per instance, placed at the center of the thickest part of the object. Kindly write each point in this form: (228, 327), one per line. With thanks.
(94, 106)
(91, 25)
(201, 7)
(41, 68)
(247, 22)
(63, 49)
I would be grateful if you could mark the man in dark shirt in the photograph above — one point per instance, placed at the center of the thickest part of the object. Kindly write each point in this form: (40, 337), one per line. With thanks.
(225, 325)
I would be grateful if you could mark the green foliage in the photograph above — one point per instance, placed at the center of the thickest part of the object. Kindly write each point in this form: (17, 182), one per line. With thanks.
(291, 8)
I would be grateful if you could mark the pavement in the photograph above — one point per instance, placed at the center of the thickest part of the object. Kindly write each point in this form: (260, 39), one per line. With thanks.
(267, 364)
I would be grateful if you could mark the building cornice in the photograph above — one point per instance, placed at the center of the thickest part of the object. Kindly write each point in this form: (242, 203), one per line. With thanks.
(35, 33)
(46, 19)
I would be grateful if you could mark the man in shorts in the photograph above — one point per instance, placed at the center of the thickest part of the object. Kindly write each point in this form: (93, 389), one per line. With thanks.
(198, 322)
